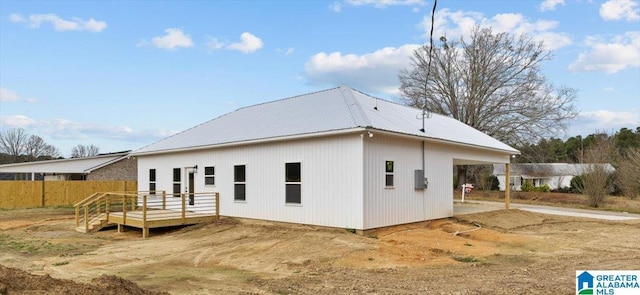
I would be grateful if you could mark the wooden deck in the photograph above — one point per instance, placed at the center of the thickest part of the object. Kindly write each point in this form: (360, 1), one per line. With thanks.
(156, 218)
(145, 210)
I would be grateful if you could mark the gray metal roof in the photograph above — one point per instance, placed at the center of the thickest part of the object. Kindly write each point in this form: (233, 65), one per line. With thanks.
(328, 111)
(72, 165)
(533, 170)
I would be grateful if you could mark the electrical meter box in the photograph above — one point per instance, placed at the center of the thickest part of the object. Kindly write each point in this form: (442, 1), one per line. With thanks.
(419, 181)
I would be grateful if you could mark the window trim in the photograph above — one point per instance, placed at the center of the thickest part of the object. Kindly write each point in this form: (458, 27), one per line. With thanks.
(152, 181)
(177, 182)
(212, 176)
(288, 183)
(388, 173)
(242, 183)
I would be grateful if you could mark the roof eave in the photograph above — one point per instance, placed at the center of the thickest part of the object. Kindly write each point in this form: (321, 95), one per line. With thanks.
(253, 141)
(431, 139)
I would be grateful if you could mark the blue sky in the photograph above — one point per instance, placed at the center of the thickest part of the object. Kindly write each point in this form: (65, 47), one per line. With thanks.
(123, 74)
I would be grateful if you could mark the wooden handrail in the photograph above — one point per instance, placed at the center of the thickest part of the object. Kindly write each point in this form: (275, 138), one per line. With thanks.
(99, 205)
(183, 207)
(217, 196)
(144, 211)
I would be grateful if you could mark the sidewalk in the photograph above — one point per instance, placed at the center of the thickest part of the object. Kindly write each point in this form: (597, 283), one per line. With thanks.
(473, 206)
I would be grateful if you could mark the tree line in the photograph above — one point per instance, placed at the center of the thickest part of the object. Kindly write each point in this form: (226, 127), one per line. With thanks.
(572, 149)
(17, 146)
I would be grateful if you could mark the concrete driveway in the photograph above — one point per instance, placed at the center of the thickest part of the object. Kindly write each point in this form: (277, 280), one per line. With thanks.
(468, 207)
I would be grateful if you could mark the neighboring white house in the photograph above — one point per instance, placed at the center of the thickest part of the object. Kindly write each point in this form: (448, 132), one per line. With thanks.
(337, 158)
(111, 166)
(555, 175)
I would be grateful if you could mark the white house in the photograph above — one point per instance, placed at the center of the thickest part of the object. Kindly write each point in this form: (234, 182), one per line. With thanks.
(337, 158)
(555, 175)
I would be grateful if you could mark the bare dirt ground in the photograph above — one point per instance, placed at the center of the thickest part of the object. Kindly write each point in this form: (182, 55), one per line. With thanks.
(499, 252)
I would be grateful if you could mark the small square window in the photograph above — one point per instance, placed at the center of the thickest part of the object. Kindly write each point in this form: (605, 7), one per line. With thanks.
(389, 167)
(176, 174)
(239, 173)
(388, 174)
(209, 175)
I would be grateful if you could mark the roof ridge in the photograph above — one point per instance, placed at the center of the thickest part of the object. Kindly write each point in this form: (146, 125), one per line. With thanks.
(283, 99)
(232, 112)
(358, 115)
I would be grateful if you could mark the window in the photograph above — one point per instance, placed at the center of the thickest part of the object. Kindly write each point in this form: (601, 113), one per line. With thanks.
(515, 181)
(176, 182)
(210, 175)
(293, 183)
(388, 174)
(152, 181)
(240, 183)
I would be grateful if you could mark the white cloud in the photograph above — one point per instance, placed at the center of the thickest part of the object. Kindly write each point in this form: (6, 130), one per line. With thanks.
(455, 24)
(336, 7)
(60, 24)
(173, 39)
(287, 52)
(620, 9)
(550, 4)
(214, 44)
(7, 95)
(612, 56)
(370, 72)
(16, 18)
(604, 120)
(248, 43)
(66, 129)
(609, 89)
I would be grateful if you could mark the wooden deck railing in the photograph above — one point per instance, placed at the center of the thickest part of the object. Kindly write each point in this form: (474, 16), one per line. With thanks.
(93, 212)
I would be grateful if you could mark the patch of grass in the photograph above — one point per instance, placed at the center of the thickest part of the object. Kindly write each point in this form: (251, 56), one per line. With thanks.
(351, 230)
(60, 263)
(372, 236)
(466, 259)
(468, 245)
(32, 246)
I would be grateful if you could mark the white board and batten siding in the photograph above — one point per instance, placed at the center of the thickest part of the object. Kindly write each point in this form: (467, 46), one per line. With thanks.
(402, 203)
(331, 177)
(398, 204)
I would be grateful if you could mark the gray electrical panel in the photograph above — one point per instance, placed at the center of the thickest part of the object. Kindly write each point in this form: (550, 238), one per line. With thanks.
(419, 180)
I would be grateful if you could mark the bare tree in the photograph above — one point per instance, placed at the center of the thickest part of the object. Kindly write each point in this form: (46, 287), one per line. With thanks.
(36, 148)
(23, 147)
(492, 82)
(596, 171)
(628, 173)
(80, 151)
(12, 142)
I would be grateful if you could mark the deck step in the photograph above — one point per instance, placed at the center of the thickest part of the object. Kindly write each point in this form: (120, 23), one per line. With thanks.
(95, 224)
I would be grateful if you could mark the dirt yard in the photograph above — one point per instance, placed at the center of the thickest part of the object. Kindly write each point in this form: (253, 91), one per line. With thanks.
(499, 252)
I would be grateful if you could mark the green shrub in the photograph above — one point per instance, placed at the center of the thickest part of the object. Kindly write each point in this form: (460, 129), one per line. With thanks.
(527, 187)
(577, 184)
(543, 189)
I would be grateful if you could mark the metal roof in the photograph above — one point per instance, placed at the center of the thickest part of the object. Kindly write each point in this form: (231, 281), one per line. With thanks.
(72, 165)
(328, 111)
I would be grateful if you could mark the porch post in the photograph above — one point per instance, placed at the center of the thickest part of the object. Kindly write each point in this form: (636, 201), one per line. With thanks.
(507, 188)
